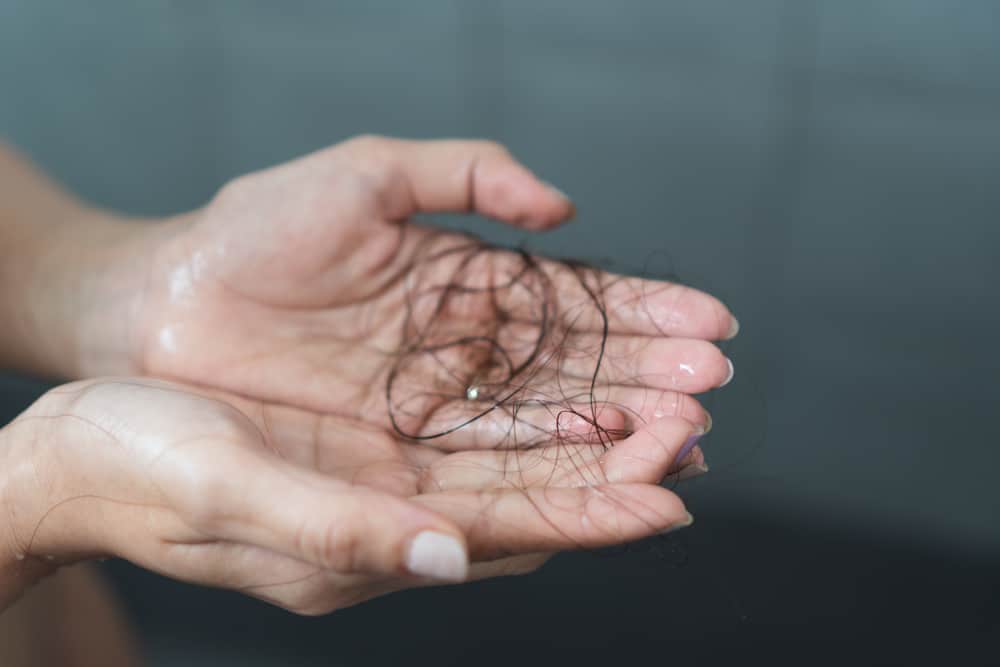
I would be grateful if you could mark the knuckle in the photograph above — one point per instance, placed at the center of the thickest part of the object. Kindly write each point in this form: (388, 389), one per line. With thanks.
(600, 516)
(203, 496)
(366, 143)
(492, 148)
(497, 189)
(691, 411)
(337, 547)
(234, 190)
(684, 407)
(673, 424)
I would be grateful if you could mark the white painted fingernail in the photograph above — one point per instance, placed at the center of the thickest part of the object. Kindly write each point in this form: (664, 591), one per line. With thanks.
(683, 523)
(557, 192)
(437, 556)
(734, 328)
(732, 372)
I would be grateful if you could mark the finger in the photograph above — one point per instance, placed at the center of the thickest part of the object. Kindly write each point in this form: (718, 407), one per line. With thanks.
(544, 413)
(362, 454)
(659, 449)
(513, 469)
(303, 514)
(490, 422)
(558, 465)
(463, 176)
(676, 364)
(187, 556)
(432, 398)
(525, 286)
(636, 305)
(507, 522)
(243, 567)
(654, 452)
(642, 405)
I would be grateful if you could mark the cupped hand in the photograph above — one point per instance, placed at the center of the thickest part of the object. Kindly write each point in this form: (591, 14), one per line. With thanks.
(311, 512)
(307, 285)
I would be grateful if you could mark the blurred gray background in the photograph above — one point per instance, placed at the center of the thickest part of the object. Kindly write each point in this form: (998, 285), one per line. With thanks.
(829, 168)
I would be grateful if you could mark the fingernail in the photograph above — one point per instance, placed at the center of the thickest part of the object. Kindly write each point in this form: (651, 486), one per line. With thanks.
(689, 445)
(437, 556)
(684, 523)
(557, 192)
(732, 372)
(734, 328)
(693, 470)
(708, 421)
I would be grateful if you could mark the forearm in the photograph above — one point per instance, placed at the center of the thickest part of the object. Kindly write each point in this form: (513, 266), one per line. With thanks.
(68, 275)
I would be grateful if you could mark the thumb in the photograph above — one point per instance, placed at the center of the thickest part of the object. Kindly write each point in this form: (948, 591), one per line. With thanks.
(462, 176)
(338, 526)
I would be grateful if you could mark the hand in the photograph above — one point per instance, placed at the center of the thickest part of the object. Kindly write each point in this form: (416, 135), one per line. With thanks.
(306, 285)
(310, 512)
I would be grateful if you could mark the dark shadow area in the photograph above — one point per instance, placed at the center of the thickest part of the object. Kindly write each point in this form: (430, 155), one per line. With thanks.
(747, 580)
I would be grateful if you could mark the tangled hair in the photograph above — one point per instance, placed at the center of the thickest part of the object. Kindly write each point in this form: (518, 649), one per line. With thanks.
(510, 350)
(500, 344)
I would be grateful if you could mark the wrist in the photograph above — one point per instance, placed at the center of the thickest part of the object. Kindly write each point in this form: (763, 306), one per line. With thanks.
(101, 262)
(73, 293)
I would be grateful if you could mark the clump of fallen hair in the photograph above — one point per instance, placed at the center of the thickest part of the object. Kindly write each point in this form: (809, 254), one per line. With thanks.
(508, 345)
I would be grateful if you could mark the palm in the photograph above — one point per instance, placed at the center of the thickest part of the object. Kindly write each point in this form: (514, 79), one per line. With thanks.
(303, 287)
(222, 486)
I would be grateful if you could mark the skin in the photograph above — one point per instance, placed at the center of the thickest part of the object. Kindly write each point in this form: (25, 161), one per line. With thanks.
(265, 460)
(309, 513)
